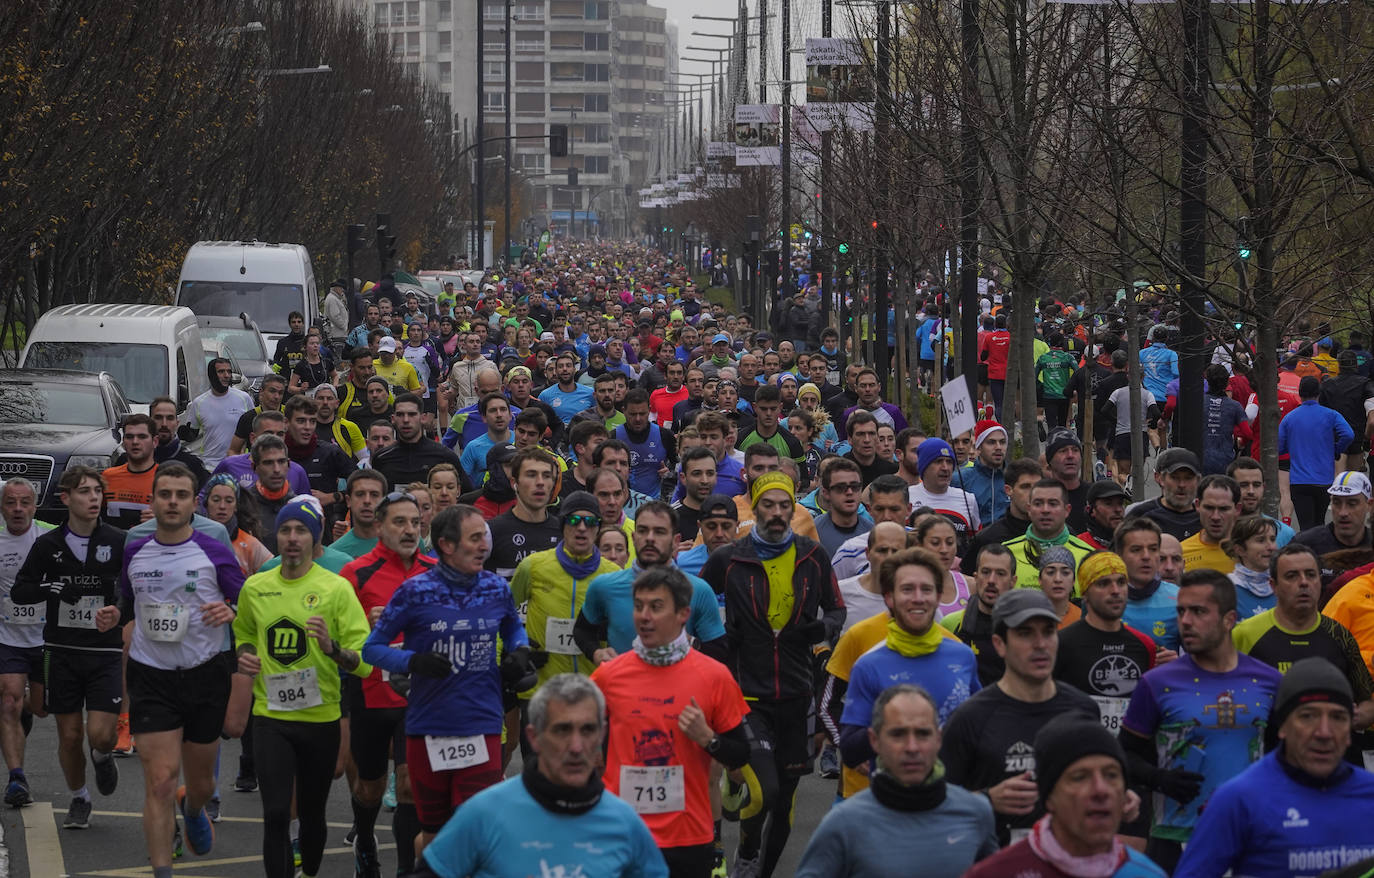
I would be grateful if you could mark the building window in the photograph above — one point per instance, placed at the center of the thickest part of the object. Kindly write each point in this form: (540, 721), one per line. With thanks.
(445, 42)
(596, 164)
(445, 10)
(565, 71)
(593, 42)
(494, 13)
(529, 41)
(596, 10)
(413, 43)
(531, 161)
(526, 104)
(494, 71)
(412, 12)
(494, 100)
(381, 15)
(596, 73)
(445, 70)
(596, 103)
(398, 13)
(528, 12)
(529, 72)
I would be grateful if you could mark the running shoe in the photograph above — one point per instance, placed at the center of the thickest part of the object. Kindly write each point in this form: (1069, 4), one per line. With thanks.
(719, 870)
(78, 815)
(389, 797)
(212, 809)
(829, 762)
(746, 868)
(296, 852)
(17, 794)
(365, 862)
(245, 783)
(178, 845)
(200, 832)
(124, 745)
(106, 774)
(351, 834)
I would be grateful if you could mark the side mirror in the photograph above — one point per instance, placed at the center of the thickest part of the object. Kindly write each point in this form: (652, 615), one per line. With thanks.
(183, 397)
(236, 378)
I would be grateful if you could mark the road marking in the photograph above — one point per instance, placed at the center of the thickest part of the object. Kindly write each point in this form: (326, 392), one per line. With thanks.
(185, 864)
(40, 840)
(225, 819)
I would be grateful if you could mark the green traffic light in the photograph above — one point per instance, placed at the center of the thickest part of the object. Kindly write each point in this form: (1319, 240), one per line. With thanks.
(844, 249)
(1245, 253)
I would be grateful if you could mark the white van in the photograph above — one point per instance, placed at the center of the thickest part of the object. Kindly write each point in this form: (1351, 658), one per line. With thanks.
(266, 281)
(151, 350)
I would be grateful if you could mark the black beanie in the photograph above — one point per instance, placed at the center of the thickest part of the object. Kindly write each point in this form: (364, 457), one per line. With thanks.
(1066, 739)
(1310, 679)
(578, 501)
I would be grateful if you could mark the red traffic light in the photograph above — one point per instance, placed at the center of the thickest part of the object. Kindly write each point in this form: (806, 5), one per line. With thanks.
(875, 224)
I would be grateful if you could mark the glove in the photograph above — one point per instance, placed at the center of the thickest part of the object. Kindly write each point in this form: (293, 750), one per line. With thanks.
(430, 664)
(70, 594)
(808, 633)
(538, 656)
(187, 433)
(1178, 784)
(517, 671)
(399, 683)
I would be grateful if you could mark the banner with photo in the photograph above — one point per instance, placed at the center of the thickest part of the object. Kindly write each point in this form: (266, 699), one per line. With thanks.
(720, 149)
(839, 85)
(758, 135)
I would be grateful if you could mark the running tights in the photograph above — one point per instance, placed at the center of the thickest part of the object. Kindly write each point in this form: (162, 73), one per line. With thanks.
(294, 757)
(771, 801)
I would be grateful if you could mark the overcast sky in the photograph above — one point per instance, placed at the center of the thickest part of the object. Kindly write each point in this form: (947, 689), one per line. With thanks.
(680, 12)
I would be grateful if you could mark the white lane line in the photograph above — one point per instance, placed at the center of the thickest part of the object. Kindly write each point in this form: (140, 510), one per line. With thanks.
(40, 840)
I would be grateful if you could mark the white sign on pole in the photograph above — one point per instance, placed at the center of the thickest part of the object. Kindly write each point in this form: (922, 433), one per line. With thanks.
(958, 407)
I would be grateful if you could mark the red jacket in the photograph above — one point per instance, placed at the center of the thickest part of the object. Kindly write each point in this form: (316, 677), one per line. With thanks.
(375, 578)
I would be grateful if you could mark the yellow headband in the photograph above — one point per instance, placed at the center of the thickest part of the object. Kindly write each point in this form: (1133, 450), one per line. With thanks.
(1098, 565)
(772, 481)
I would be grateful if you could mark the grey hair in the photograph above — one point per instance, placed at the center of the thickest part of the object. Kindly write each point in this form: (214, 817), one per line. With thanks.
(569, 689)
(21, 482)
(875, 721)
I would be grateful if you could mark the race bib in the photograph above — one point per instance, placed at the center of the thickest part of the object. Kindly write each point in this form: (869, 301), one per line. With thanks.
(558, 637)
(80, 614)
(165, 622)
(1112, 710)
(453, 753)
(24, 614)
(653, 789)
(1018, 835)
(293, 690)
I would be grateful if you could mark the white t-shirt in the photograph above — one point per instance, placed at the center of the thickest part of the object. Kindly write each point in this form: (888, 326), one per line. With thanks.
(859, 602)
(1121, 398)
(954, 502)
(416, 356)
(216, 417)
(13, 551)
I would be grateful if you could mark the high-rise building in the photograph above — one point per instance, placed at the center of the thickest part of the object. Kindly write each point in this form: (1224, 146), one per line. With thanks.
(601, 67)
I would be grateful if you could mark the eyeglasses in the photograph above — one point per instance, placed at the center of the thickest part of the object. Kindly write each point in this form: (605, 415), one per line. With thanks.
(845, 487)
(578, 519)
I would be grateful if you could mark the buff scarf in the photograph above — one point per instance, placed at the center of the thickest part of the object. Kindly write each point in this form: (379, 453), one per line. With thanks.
(909, 645)
(1048, 848)
(1254, 581)
(668, 654)
(1098, 565)
(577, 569)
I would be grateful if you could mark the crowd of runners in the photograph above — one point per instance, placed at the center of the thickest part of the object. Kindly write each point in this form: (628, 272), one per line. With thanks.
(581, 519)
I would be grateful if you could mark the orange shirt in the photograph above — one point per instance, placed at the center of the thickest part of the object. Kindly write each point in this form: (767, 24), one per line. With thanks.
(1071, 615)
(642, 706)
(1353, 607)
(127, 494)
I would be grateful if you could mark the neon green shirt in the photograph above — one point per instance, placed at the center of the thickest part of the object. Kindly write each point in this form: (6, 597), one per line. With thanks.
(272, 616)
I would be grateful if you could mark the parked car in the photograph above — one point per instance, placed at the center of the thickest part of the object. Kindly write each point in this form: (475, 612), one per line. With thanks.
(51, 419)
(246, 346)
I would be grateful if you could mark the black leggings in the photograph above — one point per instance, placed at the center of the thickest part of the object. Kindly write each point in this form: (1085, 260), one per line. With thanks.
(691, 861)
(1309, 504)
(294, 757)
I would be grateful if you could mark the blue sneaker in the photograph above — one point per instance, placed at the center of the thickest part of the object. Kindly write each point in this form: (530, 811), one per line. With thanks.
(389, 797)
(17, 794)
(200, 832)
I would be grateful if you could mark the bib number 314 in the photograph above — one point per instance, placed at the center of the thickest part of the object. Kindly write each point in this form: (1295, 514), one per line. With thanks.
(453, 753)
(652, 789)
(80, 614)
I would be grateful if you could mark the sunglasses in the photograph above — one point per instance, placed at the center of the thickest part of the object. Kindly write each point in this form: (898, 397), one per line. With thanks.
(578, 519)
(395, 497)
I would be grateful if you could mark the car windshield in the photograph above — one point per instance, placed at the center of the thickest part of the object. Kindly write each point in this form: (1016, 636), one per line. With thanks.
(243, 343)
(140, 369)
(268, 304)
(24, 402)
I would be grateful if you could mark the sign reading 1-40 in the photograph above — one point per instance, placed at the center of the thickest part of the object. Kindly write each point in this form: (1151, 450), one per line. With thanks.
(958, 406)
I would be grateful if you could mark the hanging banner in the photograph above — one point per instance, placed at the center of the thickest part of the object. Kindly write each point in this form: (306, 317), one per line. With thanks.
(839, 86)
(719, 149)
(722, 181)
(758, 135)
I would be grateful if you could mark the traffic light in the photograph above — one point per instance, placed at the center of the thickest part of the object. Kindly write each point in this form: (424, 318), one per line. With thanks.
(356, 241)
(1244, 244)
(843, 249)
(558, 141)
(572, 176)
(386, 242)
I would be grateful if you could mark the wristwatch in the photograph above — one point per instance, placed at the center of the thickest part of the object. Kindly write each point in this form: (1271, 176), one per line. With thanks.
(713, 745)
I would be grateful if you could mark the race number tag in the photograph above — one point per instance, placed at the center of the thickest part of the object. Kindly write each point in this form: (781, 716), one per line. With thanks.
(80, 614)
(164, 622)
(24, 614)
(558, 637)
(1112, 710)
(453, 753)
(652, 789)
(1018, 835)
(293, 690)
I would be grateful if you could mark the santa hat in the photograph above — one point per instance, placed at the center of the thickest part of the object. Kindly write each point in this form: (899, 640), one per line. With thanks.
(983, 429)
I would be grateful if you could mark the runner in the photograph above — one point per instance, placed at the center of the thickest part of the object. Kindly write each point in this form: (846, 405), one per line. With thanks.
(527, 527)
(178, 668)
(448, 620)
(362, 493)
(298, 626)
(74, 571)
(661, 748)
(718, 523)
(1049, 514)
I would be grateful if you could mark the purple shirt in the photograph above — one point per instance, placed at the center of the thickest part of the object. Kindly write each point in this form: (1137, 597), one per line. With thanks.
(240, 466)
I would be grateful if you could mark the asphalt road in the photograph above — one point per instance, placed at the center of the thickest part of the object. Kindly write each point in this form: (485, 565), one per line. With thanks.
(113, 846)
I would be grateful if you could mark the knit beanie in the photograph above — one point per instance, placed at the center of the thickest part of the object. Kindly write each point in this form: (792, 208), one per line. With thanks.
(930, 451)
(1066, 739)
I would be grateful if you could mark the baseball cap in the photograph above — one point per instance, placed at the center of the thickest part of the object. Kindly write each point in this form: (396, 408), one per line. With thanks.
(386, 343)
(1020, 605)
(1176, 459)
(720, 337)
(718, 506)
(1105, 488)
(1351, 484)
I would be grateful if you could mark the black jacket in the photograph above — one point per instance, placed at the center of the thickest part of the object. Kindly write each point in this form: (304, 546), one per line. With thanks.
(406, 462)
(768, 665)
(51, 565)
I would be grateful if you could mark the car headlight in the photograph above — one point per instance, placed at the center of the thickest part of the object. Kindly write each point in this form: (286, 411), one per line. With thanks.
(98, 461)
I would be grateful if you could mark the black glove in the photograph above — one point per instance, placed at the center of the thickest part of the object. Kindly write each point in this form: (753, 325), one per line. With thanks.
(807, 633)
(187, 433)
(1179, 784)
(71, 593)
(538, 656)
(399, 683)
(517, 670)
(430, 664)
